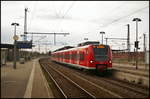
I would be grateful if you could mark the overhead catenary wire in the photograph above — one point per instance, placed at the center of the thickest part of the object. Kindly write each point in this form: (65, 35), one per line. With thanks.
(33, 14)
(53, 5)
(56, 13)
(61, 8)
(116, 20)
(63, 16)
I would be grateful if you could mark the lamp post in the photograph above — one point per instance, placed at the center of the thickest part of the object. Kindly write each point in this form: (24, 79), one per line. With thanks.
(85, 39)
(102, 35)
(15, 39)
(106, 40)
(136, 42)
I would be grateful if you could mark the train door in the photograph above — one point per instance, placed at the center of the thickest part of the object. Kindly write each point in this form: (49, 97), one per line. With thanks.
(63, 57)
(73, 57)
(81, 58)
(90, 56)
(70, 57)
(67, 57)
(77, 57)
(58, 56)
(86, 57)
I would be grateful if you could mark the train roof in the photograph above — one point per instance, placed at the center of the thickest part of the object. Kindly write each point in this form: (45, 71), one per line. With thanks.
(80, 45)
(69, 49)
(64, 48)
(89, 43)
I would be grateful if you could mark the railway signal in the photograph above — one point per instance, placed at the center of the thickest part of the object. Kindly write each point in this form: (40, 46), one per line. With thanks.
(136, 45)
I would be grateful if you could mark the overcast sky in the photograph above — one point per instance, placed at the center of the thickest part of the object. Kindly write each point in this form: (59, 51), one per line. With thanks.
(82, 19)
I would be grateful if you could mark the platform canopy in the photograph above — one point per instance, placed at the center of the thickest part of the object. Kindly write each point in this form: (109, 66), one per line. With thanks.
(7, 46)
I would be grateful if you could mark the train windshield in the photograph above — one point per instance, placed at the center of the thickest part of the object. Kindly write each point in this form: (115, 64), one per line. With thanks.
(100, 52)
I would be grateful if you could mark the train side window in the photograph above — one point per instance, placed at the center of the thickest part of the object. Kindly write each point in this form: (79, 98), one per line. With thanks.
(75, 56)
(70, 56)
(81, 56)
(65, 56)
(78, 56)
(87, 52)
(60, 56)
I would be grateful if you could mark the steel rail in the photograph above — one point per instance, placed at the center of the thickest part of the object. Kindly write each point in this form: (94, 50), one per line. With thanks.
(110, 92)
(114, 83)
(111, 81)
(72, 82)
(54, 81)
(124, 86)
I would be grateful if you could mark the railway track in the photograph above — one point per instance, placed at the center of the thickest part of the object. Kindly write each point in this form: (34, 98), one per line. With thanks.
(139, 90)
(98, 86)
(118, 87)
(133, 88)
(67, 87)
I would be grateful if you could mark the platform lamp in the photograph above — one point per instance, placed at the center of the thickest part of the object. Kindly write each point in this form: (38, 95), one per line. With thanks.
(102, 35)
(136, 42)
(15, 37)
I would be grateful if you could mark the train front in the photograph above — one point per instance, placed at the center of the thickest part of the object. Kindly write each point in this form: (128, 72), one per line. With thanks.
(102, 59)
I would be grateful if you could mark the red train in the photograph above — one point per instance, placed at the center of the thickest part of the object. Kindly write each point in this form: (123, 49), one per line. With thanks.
(91, 57)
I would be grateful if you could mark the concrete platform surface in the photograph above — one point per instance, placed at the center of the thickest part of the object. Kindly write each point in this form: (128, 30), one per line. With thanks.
(132, 69)
(27, 81)
(131, 74)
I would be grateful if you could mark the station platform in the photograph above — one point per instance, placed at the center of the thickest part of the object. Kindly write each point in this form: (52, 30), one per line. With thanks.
(129, 73)
(26, 81)
(142, 70)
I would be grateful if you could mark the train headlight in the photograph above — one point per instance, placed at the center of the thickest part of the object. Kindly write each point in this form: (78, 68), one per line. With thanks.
(91, 61)
(110, 62)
